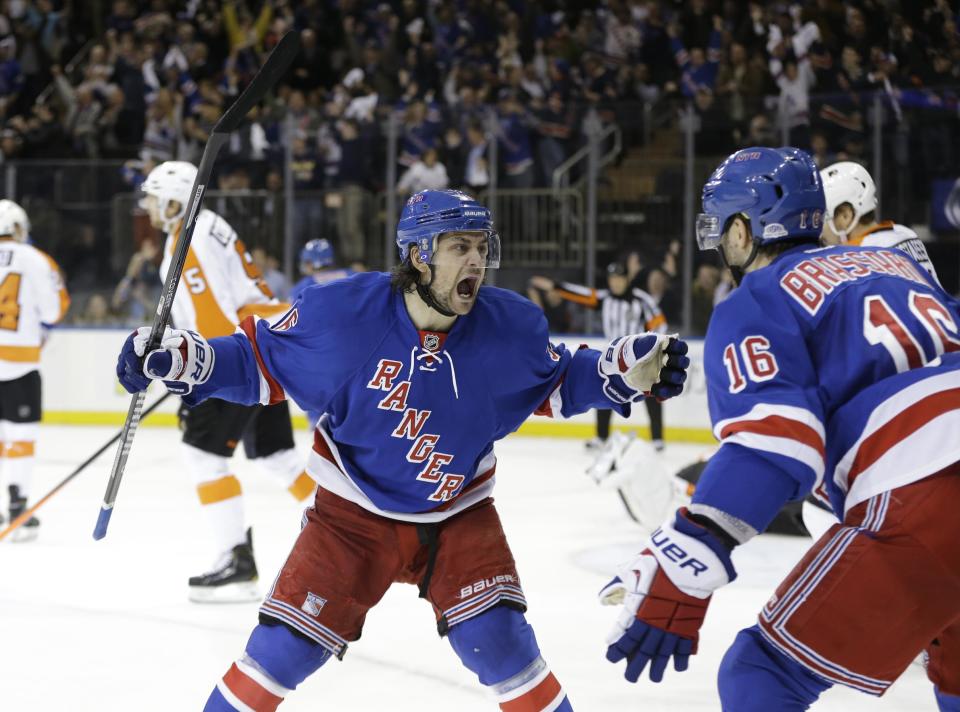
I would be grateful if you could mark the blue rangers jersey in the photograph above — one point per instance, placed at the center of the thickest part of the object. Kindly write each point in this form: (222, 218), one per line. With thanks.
(410, 416)
(833, 370)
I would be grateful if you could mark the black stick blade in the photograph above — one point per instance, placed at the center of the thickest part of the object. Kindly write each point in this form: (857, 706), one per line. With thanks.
(275, 67)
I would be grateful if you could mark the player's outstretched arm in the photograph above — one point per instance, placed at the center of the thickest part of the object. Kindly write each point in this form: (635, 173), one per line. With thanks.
(664, 594)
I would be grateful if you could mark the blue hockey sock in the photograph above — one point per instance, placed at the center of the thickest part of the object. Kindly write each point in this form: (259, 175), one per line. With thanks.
(274, 663)
(500, 647)
(756, 677)
(945, 702)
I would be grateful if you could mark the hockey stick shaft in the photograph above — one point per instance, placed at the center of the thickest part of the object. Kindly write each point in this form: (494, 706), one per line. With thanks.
(273, 69)
(19, 521)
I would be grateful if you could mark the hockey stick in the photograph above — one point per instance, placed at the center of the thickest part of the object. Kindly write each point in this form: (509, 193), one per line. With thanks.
(276, 65)
(19, 521)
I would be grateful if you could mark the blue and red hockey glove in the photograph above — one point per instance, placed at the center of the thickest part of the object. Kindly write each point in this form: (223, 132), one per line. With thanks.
(643, 365)
(184, 360)
(664, 594)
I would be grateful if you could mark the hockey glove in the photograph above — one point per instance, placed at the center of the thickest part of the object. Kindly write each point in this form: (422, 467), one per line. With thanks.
(665, 593)
(643, 364)
(184, 360)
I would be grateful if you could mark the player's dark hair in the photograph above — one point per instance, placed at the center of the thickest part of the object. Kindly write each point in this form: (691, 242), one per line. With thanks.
(404, 277)
(868, 218)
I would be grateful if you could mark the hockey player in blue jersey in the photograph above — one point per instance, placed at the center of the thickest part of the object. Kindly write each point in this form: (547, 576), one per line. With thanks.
(833, 370)
(418, 373)
(317, 265)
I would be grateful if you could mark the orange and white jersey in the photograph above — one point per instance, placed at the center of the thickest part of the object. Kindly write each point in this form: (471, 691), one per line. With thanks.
(890, 234)
(31, 295)
(220, 284)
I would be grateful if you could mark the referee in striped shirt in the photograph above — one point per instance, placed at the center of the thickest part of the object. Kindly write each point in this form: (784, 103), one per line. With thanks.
(624, 310)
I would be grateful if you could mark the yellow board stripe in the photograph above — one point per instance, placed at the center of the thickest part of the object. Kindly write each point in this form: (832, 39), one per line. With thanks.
(219, 490)
(532, 428)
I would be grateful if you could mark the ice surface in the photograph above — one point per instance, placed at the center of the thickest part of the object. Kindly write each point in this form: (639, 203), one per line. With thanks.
(106, 626)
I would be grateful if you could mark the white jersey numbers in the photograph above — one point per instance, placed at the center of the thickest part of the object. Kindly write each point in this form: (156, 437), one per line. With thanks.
(759, 362)
(881, 326)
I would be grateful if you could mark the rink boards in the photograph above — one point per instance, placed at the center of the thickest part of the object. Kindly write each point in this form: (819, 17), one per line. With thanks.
(80, 387)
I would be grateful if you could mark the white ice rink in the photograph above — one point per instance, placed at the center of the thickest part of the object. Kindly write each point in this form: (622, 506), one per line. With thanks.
(106, 626)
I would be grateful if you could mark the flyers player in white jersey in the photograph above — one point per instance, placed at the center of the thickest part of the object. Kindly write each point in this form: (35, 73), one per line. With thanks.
(219, 287)
(851, 198)
(32, 299)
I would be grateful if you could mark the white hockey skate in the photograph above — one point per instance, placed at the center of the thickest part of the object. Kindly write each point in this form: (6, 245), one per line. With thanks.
(233, 578)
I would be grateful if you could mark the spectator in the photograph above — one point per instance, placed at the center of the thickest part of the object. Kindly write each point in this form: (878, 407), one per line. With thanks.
(476, 174)
(269, 267)
(454, 156)
(136, 295)
(704, 288)
(354, 178)
(514, 140)
(11, 75)
(740, 83)
(426, 174)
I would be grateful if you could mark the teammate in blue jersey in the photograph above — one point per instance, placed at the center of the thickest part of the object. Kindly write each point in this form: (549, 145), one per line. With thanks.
(317, 265)
(417, 373)
(833, 370)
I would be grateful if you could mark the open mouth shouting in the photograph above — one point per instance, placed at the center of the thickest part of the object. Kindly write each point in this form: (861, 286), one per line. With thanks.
(467, 287)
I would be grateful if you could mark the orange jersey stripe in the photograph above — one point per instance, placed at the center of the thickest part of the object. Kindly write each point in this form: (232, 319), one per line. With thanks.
(219, 490)
(587, 301)
(211, 321)
(657, 321)
(885, 225)
(261, 310)
(64, 296)
(20, 354)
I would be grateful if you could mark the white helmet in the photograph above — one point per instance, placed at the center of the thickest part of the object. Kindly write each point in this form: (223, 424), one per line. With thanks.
(848, 182)
(171, 180)
(13, 216)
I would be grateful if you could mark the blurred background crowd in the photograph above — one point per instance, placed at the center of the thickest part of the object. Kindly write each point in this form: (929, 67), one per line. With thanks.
(498, 97)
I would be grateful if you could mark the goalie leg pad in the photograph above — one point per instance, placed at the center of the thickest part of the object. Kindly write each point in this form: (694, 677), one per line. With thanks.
(499, 646)
(275, 662)
(756, 677)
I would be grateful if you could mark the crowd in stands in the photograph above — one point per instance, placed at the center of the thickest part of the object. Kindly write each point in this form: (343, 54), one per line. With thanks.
(145, 80)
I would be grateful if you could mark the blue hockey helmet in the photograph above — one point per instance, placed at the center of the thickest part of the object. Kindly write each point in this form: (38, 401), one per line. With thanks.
(317, 253)
(778, 190)
(431, 213)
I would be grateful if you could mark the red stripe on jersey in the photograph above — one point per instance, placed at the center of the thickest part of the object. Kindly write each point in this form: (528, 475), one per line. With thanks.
(250, 692)
(322, 449)
(545, 408)
(536, 699)
(901, 427)
(473, 485)
(779, 427)
(249, 328)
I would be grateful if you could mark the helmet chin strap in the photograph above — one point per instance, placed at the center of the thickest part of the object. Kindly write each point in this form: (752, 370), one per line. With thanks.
(427, 295)
(738, 271)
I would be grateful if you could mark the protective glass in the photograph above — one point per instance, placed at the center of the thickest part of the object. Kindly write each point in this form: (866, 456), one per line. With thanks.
(454, 248)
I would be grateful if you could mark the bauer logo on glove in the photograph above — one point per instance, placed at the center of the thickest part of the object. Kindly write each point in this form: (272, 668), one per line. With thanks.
(184, 360)
(643, 364)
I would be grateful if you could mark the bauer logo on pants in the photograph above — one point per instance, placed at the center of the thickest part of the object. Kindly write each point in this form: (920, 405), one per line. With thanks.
(314, 604)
